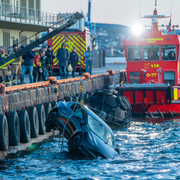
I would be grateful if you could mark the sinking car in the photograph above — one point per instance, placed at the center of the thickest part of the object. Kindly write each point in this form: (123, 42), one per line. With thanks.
(87, 134)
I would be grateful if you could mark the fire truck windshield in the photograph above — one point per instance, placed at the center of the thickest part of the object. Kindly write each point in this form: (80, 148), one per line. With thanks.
(168, 52)
(135, 53)
(151, 53)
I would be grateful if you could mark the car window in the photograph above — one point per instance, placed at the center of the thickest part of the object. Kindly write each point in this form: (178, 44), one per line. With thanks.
(100, 130)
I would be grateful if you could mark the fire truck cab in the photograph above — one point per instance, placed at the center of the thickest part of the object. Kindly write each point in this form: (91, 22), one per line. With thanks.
(73, 38)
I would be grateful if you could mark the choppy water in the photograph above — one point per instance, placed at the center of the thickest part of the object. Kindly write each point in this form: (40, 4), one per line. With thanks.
(148, 150)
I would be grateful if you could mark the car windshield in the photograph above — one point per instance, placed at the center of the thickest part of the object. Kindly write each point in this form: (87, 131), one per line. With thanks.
(100, 130)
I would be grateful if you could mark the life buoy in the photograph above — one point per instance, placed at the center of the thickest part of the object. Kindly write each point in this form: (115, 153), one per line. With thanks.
(151, 82)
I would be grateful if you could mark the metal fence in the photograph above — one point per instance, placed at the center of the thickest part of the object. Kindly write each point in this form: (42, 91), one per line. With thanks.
(26, 15)
(99, 59)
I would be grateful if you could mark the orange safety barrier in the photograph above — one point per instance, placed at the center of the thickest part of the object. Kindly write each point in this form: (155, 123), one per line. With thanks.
(53, 79)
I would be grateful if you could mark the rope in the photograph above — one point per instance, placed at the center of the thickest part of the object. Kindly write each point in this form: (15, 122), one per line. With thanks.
(73, 88)
(30, 97)
(39, 96)
(104, 113)
(22, 97)
(52, 92)
(61, 89)
(89, 85)
(11, 103)
(61, 93)
(93, 86)
(2, 102)
(15, 101)
(69, 120)
(84, 87)
(68, 90)
(46, 94)
(98, 84)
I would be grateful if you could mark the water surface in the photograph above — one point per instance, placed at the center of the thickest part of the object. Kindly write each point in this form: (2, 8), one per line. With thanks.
(148, 150)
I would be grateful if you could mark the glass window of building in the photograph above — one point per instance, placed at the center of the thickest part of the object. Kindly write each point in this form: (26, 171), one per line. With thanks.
(151, 53)
(135, 53)
(168, 52)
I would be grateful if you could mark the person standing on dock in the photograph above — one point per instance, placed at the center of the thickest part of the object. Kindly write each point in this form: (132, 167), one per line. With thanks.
(36, 67)
(73, 60)
(5, 71)
(28, 65)
(50, 56)
(16, 70)
(42, 66)
(63, 57)
(89, 56)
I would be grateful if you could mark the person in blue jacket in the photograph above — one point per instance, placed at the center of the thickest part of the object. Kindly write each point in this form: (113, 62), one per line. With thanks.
(28, 65)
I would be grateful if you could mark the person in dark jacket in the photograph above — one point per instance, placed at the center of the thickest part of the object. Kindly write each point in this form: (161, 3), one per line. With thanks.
(28, 65)
(42, 66)
(63, 57)
(73, 60)
(50, 56)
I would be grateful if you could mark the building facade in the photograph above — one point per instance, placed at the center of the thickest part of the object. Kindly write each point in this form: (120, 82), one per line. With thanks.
(20, 20)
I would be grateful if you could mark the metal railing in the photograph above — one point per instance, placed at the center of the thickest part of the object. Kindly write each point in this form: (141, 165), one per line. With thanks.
(26, 15)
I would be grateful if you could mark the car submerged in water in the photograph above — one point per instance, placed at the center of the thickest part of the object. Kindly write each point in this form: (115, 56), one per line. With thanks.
(87, 134)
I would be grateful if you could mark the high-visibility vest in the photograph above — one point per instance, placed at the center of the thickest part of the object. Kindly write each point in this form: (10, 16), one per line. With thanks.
(17, 61)
(37, 60)
(4, 56)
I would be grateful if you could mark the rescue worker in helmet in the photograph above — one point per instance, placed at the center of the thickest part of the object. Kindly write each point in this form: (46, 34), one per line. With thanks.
(50, 56)
(63, 57)
(42, 66)
(5, 71)
(16, 70)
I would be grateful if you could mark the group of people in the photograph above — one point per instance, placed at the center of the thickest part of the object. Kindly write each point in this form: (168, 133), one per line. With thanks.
(39, 64)
(65, 59)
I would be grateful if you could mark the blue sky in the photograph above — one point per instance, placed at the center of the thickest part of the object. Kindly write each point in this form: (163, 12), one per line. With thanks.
(124, 12)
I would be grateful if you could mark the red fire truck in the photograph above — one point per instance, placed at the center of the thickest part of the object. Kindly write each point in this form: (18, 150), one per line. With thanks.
(73, 38)
(153, 71)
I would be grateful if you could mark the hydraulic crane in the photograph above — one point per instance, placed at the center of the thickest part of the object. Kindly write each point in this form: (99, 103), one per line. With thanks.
(72, 20)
